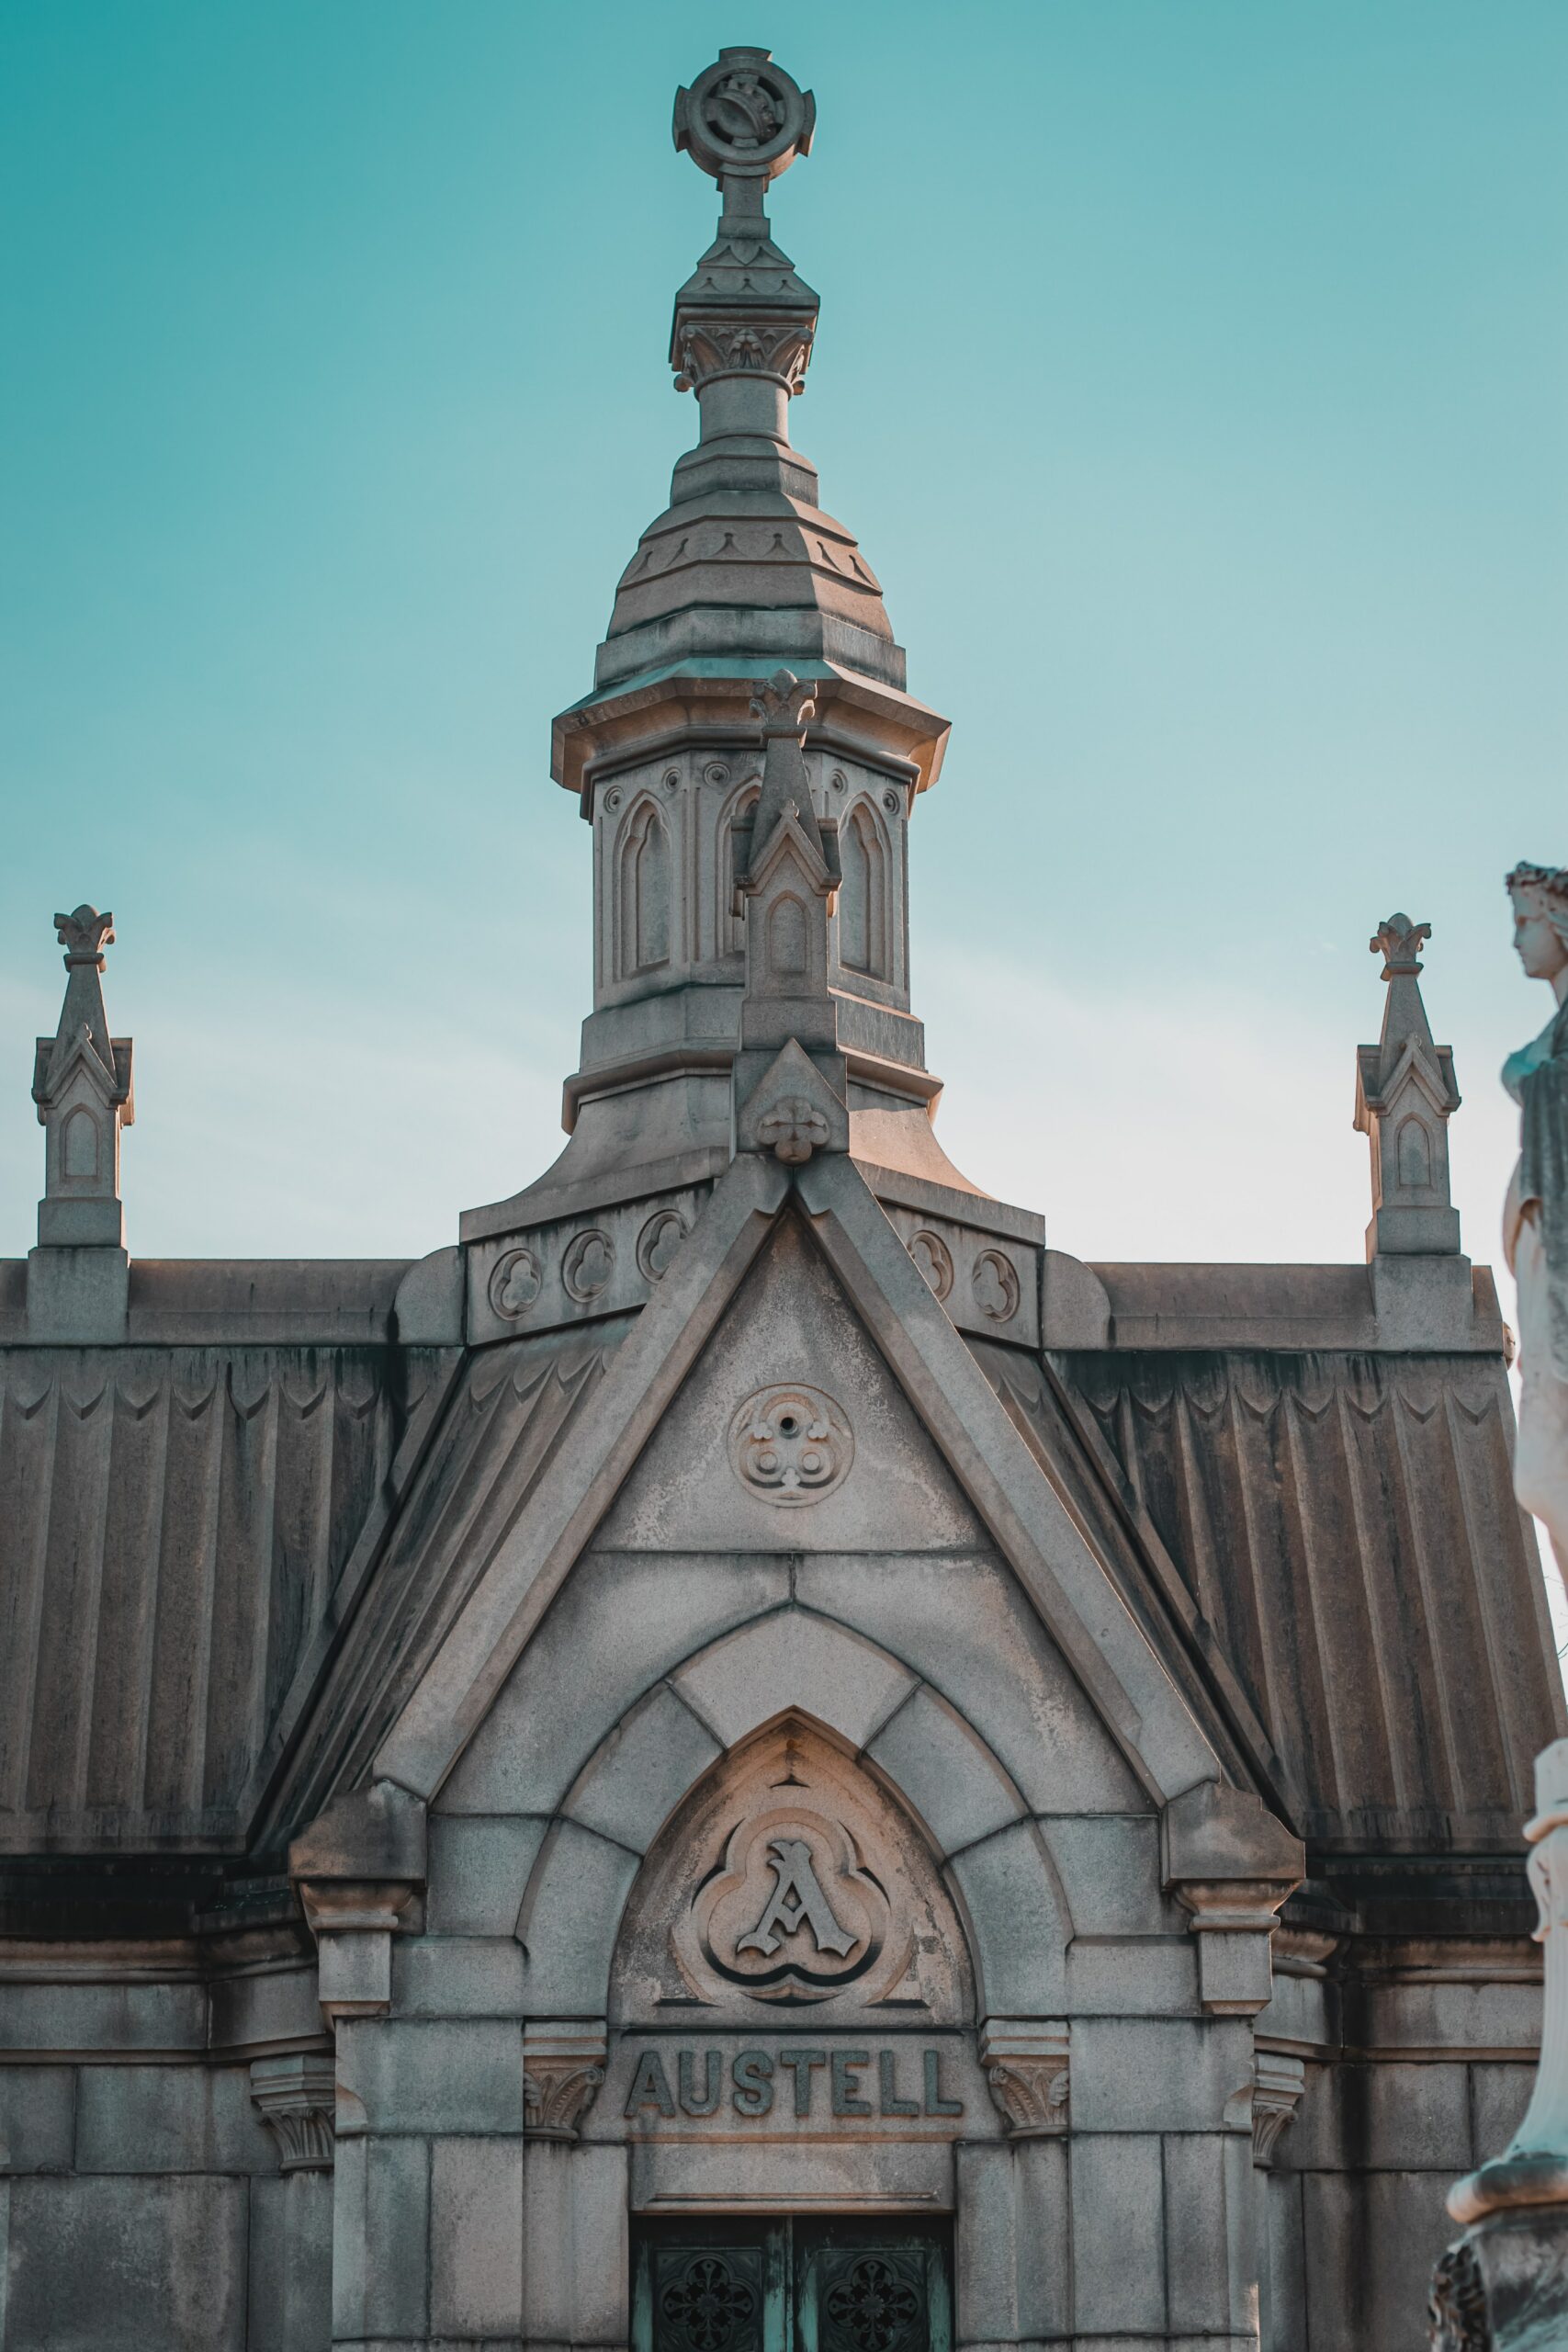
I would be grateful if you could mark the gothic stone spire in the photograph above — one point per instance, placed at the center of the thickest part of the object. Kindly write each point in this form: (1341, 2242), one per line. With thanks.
(82, 1086)
(1404, 1094)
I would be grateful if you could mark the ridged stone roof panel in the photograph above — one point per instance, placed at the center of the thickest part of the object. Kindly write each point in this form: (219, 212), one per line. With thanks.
(174, 1523)
(1346, 1529)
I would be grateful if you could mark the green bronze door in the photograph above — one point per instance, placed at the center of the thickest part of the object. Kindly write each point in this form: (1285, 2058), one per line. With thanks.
(791, 2283)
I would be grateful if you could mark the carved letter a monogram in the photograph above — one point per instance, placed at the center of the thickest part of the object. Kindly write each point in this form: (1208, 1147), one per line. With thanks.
(796, 1896)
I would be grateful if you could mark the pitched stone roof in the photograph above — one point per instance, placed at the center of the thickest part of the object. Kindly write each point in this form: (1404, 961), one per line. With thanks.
(1346, 1530)
(176, 1523)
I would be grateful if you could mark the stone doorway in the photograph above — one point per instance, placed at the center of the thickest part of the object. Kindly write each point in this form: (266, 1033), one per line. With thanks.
(791, 2283)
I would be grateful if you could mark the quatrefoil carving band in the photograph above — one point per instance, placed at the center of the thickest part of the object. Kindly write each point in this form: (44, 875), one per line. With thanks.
(791, 1445)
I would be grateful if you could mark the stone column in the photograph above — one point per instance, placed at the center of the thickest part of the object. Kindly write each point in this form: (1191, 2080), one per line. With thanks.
(574, 2192)
(292, 2259)
(1503, 2287)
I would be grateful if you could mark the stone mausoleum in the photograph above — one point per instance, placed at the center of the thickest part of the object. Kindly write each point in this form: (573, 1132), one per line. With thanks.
(749, 1757)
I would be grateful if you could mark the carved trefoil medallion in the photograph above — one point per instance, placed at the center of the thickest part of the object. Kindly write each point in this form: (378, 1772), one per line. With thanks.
(791, 1445)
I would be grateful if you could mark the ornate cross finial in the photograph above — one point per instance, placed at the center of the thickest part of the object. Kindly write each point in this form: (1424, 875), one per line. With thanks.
(83, 935)
(745, 119)
(1399, 941)
(744, 313)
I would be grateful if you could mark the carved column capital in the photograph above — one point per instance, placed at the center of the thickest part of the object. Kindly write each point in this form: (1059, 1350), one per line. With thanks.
(1278, 2082)
(563, 2065)
(297, 2098)
(1025, 2062)
(706, 347)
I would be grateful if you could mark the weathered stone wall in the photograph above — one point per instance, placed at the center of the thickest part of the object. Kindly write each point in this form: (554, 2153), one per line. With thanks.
(142, 2208)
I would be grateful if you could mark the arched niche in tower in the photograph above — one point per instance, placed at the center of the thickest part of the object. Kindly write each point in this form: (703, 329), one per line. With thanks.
(733, 826)
(862, 894)
(1415, 1155)
(79, 1145)
(643, 878)
(789, 936)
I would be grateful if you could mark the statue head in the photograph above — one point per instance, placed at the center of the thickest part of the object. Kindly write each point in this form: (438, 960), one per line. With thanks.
(1539, 894)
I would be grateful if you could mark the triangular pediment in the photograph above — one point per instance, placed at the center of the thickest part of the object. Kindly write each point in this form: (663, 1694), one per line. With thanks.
(791, 1434)
(793, 1301)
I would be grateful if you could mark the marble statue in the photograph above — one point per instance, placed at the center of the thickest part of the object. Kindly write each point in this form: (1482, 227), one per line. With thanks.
(1535, 1218)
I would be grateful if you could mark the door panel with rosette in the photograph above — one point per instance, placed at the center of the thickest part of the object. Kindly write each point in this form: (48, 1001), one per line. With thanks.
(791, 2283)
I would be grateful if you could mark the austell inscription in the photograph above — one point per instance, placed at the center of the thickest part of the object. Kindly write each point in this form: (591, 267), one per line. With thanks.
(805, 2082)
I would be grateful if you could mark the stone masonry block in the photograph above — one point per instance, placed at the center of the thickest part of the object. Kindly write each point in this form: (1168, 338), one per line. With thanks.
(476, 2236)
(1157, 2074)
(1498, 2097)
(569, 1919)
(1109, 1868)
(291, 2302)
(1383, 2117)
(380, 2238)
(576, 2258)
(457, 1976)
(1153, 1976)
(169, 2118)
(1013, 2269)
(266, 2011)
(1284, 2283)
(479, 1868)
(454, 2077)
(65, 2019)
(1370, 2245)
(1118, 2239)
(1020, 1934)
(147, 2264)
(1210, 2194)
(619, 1622)
(36, 2117)
(1417, 2119)
(966, 1626)
(949, 1779)
(634, 1782)
(831, 1673)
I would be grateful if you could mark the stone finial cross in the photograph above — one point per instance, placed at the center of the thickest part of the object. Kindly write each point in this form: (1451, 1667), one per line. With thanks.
(744, 121)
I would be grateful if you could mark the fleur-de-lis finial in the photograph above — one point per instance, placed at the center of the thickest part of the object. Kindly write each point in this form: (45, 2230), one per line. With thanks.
(84, 934)
(1399, 941)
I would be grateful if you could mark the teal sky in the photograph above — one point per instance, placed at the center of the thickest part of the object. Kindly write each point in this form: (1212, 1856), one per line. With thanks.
(1193, 375)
